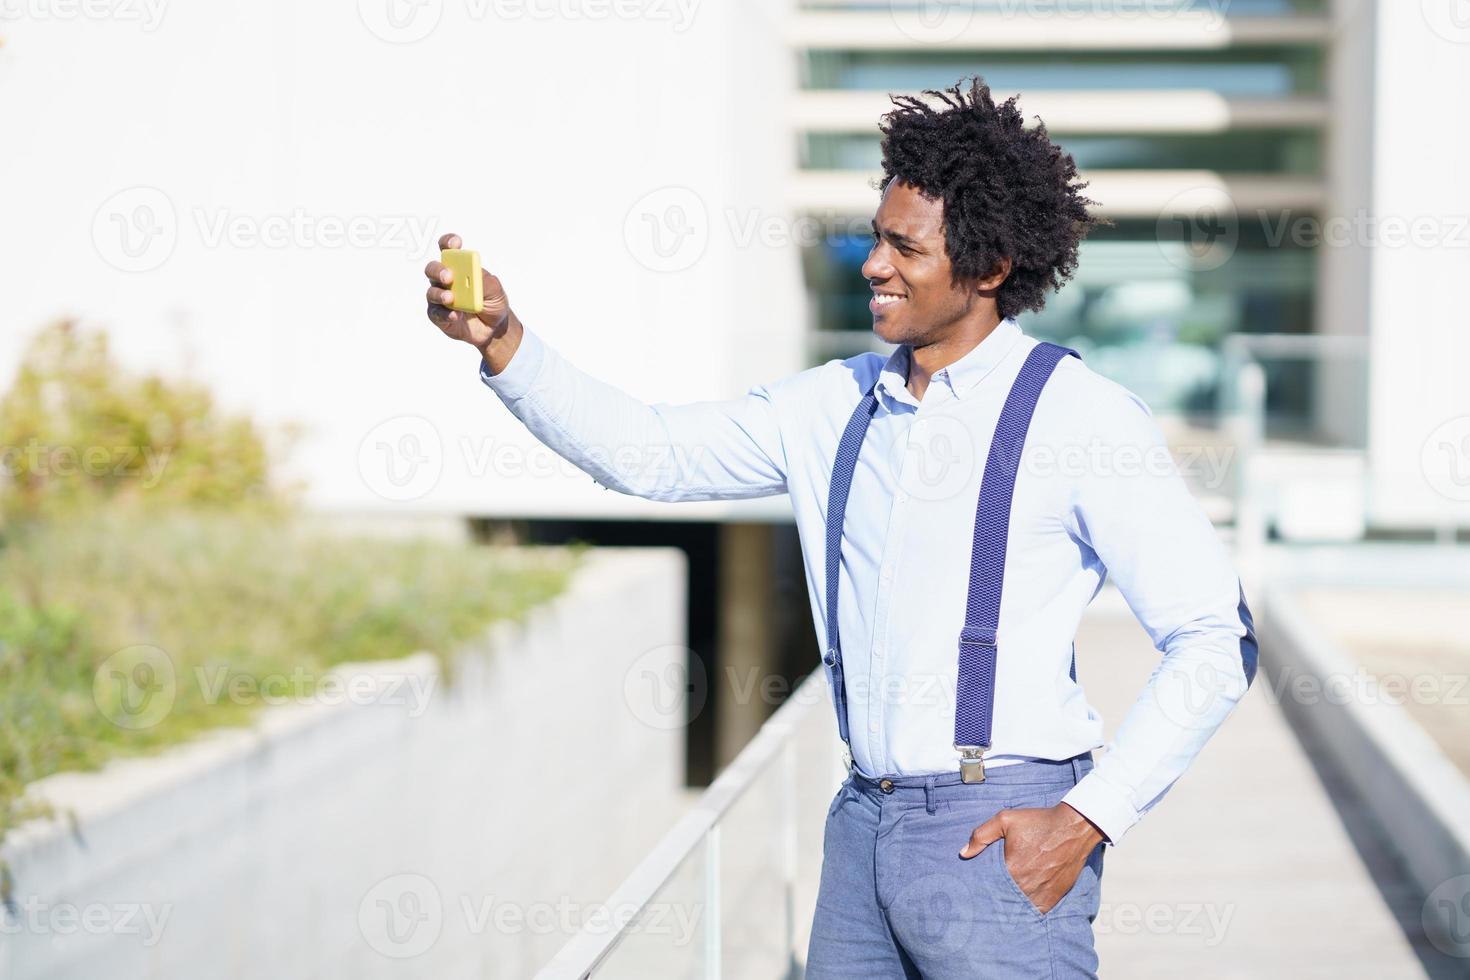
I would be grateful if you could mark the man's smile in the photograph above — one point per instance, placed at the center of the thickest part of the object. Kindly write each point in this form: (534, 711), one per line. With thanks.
(883, 301)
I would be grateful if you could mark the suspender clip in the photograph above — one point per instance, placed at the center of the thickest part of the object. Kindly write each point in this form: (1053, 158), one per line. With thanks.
(977, 637)
(972, 763)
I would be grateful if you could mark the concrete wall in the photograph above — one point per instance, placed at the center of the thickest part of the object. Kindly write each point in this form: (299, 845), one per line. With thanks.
(1417, 795)
(463, 834)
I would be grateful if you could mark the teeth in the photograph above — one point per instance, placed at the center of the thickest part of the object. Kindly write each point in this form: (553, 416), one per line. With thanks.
(885, 298)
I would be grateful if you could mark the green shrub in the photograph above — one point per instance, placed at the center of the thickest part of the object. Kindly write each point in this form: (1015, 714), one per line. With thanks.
(172, 552)
(77, 430)
(227, 599)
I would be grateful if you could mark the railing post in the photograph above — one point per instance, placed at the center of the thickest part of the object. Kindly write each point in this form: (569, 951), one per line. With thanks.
(712, 923)
(1250, 433)
(790, 848)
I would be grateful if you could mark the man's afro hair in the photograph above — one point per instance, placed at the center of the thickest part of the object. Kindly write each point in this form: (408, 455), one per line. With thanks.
(1007, 190)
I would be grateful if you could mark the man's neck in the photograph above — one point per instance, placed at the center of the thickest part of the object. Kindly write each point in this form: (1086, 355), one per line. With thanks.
(933, 357)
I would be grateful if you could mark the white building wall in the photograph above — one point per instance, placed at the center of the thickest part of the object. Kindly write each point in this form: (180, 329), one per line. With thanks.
(540, 137)
(1419, 436)
(534, 132)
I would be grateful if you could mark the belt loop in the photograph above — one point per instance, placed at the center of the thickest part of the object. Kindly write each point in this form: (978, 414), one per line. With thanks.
(1076, 769)
(929, 803)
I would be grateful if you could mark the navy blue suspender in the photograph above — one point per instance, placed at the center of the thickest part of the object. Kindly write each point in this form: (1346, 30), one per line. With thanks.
(975, 690)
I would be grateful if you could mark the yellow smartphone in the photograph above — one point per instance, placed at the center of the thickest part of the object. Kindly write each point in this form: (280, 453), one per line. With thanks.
(468, 286)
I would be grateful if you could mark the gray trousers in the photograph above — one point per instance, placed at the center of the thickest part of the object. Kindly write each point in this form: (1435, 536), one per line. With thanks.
(897, 900)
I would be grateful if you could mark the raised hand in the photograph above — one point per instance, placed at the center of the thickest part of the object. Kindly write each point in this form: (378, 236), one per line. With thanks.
(481, 330)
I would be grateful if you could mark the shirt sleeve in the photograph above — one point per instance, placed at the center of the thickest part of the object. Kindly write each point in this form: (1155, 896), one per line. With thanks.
(1132, 508)
(707, 450)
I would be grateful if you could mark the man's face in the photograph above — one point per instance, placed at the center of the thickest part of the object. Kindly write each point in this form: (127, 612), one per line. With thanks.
(913, 301)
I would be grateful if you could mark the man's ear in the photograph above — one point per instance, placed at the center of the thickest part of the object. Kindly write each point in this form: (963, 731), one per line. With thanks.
(999, 274)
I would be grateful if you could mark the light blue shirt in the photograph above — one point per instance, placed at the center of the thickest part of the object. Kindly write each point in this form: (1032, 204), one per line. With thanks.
(1097, 494)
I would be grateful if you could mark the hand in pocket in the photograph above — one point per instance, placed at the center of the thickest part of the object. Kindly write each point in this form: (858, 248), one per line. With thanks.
(1045, 849)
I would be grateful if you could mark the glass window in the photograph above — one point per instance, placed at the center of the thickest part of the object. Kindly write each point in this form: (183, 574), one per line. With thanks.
(1141, 309)
(1239, 151)
(1250, 72)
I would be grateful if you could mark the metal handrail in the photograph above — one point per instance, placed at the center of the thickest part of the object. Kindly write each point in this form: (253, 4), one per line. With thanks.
(1243, 408)
(1240, 350)
(580, 957)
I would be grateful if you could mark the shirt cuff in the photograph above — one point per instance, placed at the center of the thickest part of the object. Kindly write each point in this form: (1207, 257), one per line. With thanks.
(517, 377)
(1107, 807)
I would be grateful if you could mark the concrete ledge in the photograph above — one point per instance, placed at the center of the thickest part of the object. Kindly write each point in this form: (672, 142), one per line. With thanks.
(1414, 791)
(379, 837)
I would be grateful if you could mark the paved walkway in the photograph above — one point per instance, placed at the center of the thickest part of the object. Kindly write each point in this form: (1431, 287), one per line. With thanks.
(1246, 869)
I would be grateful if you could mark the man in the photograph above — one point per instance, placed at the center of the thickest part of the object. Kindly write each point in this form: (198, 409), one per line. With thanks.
(968, 837)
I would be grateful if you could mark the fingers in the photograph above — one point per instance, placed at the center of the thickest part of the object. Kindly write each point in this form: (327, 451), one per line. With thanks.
(495, 310)
(984, 835)
(445, 318)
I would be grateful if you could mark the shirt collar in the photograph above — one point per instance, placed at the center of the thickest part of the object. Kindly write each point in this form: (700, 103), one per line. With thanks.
(962, 375)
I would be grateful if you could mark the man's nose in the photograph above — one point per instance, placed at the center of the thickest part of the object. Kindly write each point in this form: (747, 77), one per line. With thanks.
(877, 268)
